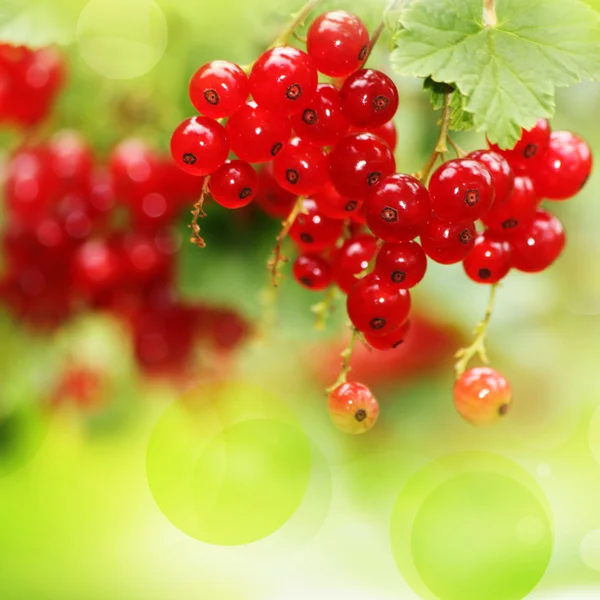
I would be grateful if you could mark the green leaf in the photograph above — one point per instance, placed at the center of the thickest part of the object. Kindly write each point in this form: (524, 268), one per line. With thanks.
(506, 73)
(461, 119)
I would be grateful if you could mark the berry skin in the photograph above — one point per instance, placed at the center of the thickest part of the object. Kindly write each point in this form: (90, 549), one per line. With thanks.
(448, 243)
(402, 265)
(271, 197)
(321, 121)
(489, 261)
(283, 79)
(530, 149)
(508, 218)
(314, 232)
(312, 272)
(502, 175)
(358, 163)
(199, 146)
(338, 43)
(352, 258)
(369, 98)
(539, 245)
(353, 408)
(387, 133)
(398, 209)
(377, 307)
(565, 167)
(391, 340)
(96, 268)
(461, 190)
(257, 135)
(218, 89)
(234, 185)
(334, 205)
(482, 396)
(301, 168)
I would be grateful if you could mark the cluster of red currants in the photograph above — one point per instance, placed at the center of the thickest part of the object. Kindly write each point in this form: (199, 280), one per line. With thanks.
(29, 83)
(86, 236)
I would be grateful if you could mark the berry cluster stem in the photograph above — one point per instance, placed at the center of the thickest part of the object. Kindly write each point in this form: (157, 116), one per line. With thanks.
(460, 153)
(489, 13)
(298, 21)
(323, 308)
(274, 263)
(464, 355)
(377, 33)
(198, 213)
(346, 356)
(441, 146)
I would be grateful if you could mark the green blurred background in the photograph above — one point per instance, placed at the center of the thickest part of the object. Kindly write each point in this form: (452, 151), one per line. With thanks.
(112, 503)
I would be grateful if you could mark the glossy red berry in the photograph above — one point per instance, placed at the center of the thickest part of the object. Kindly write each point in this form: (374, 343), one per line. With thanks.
(448, 243)
(321, 121)
(332, 204)
(313, 231)
(489, 261)
(398, 209)
(283, 79)
(338, 43)
(508, 218)
(369, 98)
(377, 307)
(530, 148)
(391, 340)
(96, 267)
(387, 133)
(312, 272)
(301, 168)
(502, 175)
(540, 244)
(257, 135)
(358, 163)
(403, 265)
(353, 408)
(271, 197)
(564, 168)
(353, 257)
(482, 396)
(219, 88)
(234, 185)
(199, 145)
(461, 190)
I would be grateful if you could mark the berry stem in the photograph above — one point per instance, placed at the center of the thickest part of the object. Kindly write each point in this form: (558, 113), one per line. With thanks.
(377, 33)
(460, 153)
(489, 13)
(346, 356)
(274, 263)
(323, 308)
(198, 213)
(464, 355)
(441, 146)
(298, 21)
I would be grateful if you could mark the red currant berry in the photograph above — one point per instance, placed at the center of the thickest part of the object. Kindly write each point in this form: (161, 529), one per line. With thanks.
(219, 88)
(502, 175)
(301, 168)
(257, 135)
(72, 160)
(199, 146)
(332, 204)
(461, 190)
(391, 340)
(564, 169)
(313, 231)
(402, 265)
(482, 396)
(508, 218)
(387, 133)
(358, 163)
(377, 307)
(312, 272)
(448, 243)
(530, 148)
(398, 209)
(489, 261)
(540, 244)
(96, 267)
(352, 258)
(321, 121)
(283, 79)
(234, 185)
(338, 43)
(271, 197)
(353, 408)
(369, 98)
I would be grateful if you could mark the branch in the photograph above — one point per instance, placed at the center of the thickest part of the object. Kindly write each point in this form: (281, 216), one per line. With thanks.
(346, 358)
(198, 213)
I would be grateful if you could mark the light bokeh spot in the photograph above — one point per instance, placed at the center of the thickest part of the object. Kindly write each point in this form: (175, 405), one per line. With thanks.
(228, 464)
(122, 39)
(590, 550)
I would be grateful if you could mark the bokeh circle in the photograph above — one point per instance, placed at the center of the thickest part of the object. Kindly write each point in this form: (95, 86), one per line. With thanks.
(472, 525)
(590, 550)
